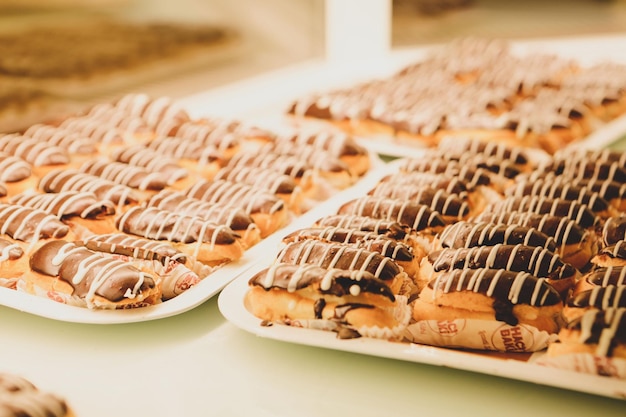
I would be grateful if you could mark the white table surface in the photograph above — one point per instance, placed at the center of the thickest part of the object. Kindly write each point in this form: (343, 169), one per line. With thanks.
(199, 364)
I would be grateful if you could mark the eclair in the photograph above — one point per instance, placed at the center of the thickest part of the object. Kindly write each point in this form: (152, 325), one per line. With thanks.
(352, 303)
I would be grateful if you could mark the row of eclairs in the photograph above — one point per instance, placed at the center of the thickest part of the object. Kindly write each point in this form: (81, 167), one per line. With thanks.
(133, 202)
(473, 245)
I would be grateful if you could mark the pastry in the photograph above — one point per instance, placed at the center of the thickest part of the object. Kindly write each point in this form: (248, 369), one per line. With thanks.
(72, 274)
(481, 296)
(208, 242)
(535, 260)
(267, 210)
(351, 303)
(20, 397)
(337, 255)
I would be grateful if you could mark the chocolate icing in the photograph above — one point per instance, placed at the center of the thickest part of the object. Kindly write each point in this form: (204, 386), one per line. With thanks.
(465, 234)
(612, 275)
(246, 197)
(35, 152)
(610, 296)
(67, 204)
(580, 213)
(132, 176)
(154, 223)
(234, 217)
(366, 224)
(537, 261)
(506, 288)
(336, 255)
(371, 241)
(605, 328)
(13, 169)
(450, 184)
(265, 178)
(30, 224)
(438, 200)
(59, 181)
(564, 191)
(332, 281)
(89, 272)
(564, 230)
(416, 216)
(614, 230)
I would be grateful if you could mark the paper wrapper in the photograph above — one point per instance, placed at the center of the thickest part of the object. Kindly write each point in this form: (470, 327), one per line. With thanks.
(587, 363)
(402, 313)
(479, 334)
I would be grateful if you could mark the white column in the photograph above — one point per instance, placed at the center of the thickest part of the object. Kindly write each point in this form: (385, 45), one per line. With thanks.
(357, 29)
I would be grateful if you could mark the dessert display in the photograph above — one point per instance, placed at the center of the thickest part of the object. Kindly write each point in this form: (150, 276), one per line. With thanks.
(20, 397)
(139, 216)
(476, 88)
(63, 65)
(483, 269)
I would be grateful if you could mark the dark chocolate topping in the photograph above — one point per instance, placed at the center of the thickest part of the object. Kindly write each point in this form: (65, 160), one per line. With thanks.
(67, 204)
(336, 255)
(154, 223)
(89, 272)
(611, 296)
(338, 282)
(537, 261)
(416, 216)
(30, 224)
(468, 234)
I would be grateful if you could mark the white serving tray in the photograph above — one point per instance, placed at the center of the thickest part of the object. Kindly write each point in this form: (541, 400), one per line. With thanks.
(231, 305)
(205, 289)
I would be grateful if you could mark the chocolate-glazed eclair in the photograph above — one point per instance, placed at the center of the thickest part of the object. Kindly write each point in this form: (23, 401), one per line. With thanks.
(613, 255)
(174, 276)
(563, 191)
(267, 179)
(600, 333)
(30, 224)
(402, 254)
(580, 213)
(448, 183)
(152, 161)
(578, 169)
(601, 277)
(299, 169)
(337, 143)
(89, 278)
(37, 153)
(81, 210)
(205, 241)
(466, 234)
(499, 150)
(515, 298)
(121, 173)
(535, 260)
(470, 175)
(234, 217)
(13, 169)
(612, 191)
(218, 136)
(342, 256)
(451, 207)
(417, 216)
(600, 298)
(267, 210)
(62, 180)
(151, 109)
(613, 230)
(575, 244)
(351, 303)
(324, 164)
(365, 223)
(72, 142)
(10, 252)
(20, 397)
